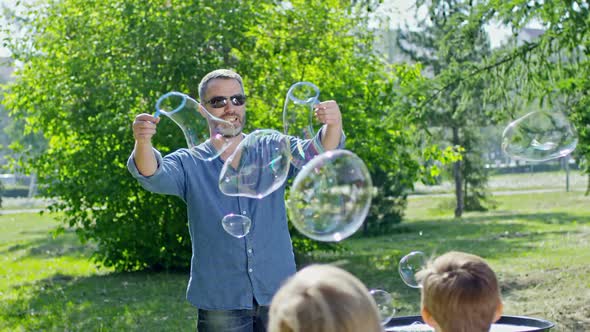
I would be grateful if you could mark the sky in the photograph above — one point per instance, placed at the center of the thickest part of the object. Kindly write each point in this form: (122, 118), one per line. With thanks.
(401, 12)
(10, 4)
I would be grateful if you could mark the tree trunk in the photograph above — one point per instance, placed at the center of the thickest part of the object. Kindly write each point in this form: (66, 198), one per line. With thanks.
(458, 179)
(566, 160)
(32, 186)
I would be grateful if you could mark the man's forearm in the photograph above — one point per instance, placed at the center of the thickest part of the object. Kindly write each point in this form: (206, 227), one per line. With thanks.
(331, 136)
(144, 158)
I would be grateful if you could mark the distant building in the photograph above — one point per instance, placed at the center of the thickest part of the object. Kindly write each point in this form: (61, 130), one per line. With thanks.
(528, 35)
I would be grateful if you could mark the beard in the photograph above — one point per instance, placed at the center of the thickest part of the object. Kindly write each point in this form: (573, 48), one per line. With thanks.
(227, 129)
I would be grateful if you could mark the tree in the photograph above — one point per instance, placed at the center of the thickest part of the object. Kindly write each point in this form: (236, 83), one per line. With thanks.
(455, 110)
(549, 70)
(91, 67)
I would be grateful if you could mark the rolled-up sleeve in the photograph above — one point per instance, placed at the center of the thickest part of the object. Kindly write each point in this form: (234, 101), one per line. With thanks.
(304, 150)
(169, 176)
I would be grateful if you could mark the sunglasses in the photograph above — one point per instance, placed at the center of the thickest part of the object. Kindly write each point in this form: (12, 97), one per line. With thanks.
(220, 101)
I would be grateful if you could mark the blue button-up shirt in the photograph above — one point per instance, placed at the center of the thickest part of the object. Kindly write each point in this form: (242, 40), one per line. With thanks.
(228, 272)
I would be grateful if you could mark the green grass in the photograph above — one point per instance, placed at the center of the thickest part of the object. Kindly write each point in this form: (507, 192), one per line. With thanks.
(49, 284)
(539, 245)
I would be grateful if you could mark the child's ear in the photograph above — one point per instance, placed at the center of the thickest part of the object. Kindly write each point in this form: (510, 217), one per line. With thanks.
(499, 310)
(428, 319)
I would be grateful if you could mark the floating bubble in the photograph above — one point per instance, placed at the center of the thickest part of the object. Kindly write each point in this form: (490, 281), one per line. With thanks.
(259, 165)
(298, 119)
(330, 197)
(385, 304)
(411, 264)
(539, 136)
(236, 225)
(196, 123)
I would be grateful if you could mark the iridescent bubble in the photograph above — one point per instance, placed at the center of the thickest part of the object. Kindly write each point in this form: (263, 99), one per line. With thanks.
(330, 197)
(385, 304)
(259, 165)
(236, 225)
(196, 123)
(411, 264)
(298, 119)
(539, 136)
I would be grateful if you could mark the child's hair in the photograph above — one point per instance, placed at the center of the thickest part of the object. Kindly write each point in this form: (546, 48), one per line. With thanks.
(460, 293)
(323, 298)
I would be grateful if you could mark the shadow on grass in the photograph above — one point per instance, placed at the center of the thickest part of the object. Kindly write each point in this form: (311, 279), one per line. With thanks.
(114, 302)
(141, 301)
(65, 244)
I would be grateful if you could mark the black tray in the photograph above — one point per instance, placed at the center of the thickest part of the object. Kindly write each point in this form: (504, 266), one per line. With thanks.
(537, 324)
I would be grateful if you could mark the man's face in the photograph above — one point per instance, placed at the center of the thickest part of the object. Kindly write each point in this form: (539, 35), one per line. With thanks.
(230, 91)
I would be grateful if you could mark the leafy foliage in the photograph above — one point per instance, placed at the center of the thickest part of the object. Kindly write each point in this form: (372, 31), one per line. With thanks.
(89, 68)
(455, 111)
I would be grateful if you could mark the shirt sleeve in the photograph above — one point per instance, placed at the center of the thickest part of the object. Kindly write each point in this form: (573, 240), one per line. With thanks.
(303, 151)
(168, 179)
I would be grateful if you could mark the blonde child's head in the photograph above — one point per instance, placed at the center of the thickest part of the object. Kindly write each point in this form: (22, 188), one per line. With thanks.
(323, 298)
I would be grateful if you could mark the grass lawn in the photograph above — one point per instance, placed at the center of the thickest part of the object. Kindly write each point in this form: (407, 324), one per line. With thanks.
(519, 181)
(49, 284)
(23, 203)
(539, 245)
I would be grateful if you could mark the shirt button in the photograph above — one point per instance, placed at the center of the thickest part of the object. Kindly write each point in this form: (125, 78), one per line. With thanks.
(244, 212)
(249, 251)
(250, 270)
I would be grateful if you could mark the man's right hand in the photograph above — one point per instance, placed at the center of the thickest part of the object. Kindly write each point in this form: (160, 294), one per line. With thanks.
(144, 127)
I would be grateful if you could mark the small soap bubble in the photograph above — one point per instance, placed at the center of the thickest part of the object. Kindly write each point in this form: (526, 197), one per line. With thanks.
(385, 304)
(236, 225)
(411, 264)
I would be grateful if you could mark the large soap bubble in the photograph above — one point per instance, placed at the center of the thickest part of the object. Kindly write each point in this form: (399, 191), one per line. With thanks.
(298, 119)
(539, 136)
(330, 197)
(195, 122)
(258, 166)
(298, 110)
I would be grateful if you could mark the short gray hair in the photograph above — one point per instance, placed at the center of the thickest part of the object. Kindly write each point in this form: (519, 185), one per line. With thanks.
(225, 74)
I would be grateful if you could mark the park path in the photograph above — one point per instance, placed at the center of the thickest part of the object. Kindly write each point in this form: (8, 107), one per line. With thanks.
(502, 193)
(16, 211)
(496, 193)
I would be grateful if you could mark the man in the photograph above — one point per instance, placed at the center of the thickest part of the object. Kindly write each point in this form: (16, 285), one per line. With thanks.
(232, 281)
